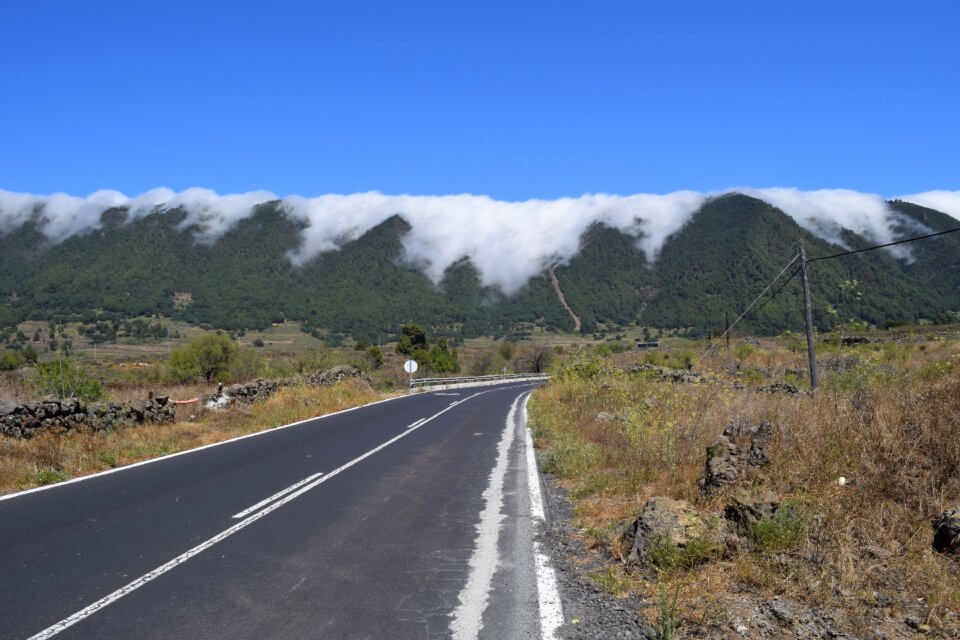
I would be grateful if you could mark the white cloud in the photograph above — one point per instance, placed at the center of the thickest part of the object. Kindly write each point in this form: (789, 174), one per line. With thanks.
(826, 212)
(945, 201)
(508, 242)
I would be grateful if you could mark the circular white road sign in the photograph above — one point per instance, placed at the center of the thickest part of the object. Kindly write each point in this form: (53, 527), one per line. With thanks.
(410, 366)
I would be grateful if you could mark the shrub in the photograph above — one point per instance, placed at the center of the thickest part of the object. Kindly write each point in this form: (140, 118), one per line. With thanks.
(247, 364)
(208, 356)
(376, 357)
(670, 558)
(10, 360)
(787, 529)
(66, 380)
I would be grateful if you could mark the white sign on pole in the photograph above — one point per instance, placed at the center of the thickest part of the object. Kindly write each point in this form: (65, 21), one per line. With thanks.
(410, 366)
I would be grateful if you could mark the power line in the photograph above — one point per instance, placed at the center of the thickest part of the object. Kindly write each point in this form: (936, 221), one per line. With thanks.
(881, 246)
(777, 292)
(747, 310)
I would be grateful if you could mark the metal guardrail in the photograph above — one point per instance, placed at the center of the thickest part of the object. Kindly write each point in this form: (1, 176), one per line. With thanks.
(428, 382)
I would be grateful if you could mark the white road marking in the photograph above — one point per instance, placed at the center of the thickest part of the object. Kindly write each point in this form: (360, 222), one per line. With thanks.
(53, 630)
(417, 423)
(183, 453)
(468, 615)
(276, 496)
(548, 594)
(132, 465)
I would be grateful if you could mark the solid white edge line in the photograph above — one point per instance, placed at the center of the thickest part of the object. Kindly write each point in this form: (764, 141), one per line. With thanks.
(533, 476)
(276, 496)
(105, 472)
(467, 616)
(548, 593)
(53, 630)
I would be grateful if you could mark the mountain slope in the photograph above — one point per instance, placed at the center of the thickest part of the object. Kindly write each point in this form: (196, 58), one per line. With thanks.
(715, 265)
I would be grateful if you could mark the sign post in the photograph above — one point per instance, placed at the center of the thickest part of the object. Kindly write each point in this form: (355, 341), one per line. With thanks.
(410, 366)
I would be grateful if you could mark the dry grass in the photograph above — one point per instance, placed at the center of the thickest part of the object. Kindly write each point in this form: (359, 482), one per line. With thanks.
(51, 458)
(888, 418)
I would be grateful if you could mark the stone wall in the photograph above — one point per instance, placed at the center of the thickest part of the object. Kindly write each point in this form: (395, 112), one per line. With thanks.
(59, 416)
(263, 389)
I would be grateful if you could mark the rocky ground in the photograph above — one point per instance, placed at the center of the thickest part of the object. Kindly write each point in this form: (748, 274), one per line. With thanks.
(593, 613)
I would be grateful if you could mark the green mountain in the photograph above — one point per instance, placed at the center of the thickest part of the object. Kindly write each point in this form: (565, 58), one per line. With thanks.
(712, 267)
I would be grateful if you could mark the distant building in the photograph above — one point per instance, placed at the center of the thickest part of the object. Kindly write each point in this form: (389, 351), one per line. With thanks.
(643, 346)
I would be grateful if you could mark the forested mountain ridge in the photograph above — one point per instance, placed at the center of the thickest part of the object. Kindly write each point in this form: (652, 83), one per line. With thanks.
(715, 264)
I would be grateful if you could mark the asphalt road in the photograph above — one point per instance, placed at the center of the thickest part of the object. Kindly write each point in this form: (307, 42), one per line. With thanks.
(413, 518)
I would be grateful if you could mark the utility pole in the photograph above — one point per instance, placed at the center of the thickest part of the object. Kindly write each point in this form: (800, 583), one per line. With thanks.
(808, 317)
(726, 327)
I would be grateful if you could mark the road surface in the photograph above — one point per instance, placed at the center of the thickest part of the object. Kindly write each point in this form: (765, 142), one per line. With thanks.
(411, 518)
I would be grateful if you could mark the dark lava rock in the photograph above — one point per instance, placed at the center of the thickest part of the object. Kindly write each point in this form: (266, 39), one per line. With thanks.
(722, 465)
(675, 522)
(749, 506)
(946, 532)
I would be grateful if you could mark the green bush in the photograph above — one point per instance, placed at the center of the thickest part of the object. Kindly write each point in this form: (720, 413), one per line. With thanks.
(787, 529)
(208, 356)
(10, 360)
(376, 357)
(935, 370)
(49, 476)
(670, 558)
(743, 351)
(63, 379)
(246, 365)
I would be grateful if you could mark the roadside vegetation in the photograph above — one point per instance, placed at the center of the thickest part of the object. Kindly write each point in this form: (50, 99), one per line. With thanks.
(49, 457)
(132, 364)
(851, 556)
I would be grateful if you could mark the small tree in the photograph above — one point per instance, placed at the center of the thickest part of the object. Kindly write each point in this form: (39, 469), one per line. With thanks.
(442, 360)
(534, 360)
(482, 364)
(208, 356)
(412, 338)
(506, 349)
(376, 357)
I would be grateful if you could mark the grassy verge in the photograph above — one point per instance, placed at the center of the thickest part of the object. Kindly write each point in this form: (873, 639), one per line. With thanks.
(888, 419)
(51, 458)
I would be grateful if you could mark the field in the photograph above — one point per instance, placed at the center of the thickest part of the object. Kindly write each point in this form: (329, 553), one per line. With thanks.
(849, 556)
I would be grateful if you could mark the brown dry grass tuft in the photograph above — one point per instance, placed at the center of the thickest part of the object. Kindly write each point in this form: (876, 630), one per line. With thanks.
(888, 419)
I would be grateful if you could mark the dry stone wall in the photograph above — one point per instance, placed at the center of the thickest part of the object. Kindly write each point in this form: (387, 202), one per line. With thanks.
(59, 416)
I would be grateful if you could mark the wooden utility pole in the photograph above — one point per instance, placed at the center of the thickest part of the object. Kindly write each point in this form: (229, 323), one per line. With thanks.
(726, 327)
(808, 317)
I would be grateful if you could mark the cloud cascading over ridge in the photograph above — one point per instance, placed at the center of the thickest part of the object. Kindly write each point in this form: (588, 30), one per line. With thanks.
(508, 242)
(944, 201)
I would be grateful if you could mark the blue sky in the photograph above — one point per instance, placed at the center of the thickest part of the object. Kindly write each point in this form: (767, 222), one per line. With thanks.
(515, 100)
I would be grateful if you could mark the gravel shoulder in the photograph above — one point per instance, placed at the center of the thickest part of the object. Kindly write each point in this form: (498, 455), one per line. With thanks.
(598, 614)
